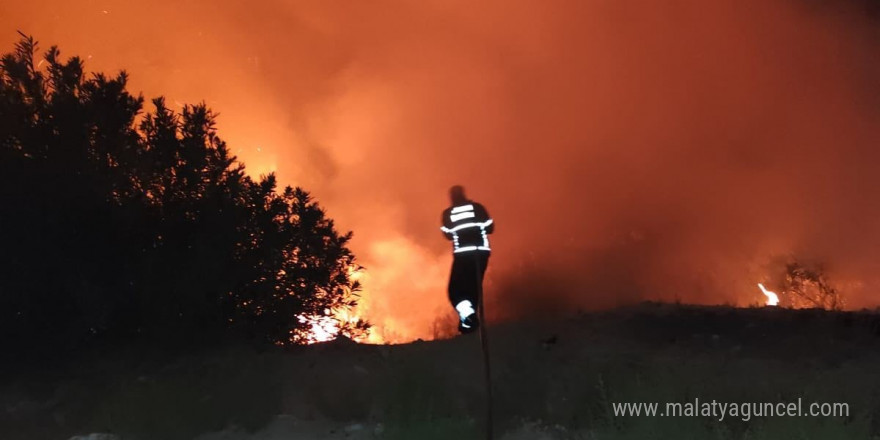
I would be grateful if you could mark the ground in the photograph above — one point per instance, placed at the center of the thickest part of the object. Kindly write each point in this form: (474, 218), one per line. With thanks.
(553, 379)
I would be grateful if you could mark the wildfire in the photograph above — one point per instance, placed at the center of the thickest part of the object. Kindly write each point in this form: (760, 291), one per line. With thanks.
(335, 322)
(772, 298)
(321, 328)
(329, 326)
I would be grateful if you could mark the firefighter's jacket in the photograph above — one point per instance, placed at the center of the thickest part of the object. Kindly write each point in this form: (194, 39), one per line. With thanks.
(468, 227)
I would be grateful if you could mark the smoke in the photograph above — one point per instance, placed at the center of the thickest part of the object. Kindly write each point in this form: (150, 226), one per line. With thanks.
(627, 150)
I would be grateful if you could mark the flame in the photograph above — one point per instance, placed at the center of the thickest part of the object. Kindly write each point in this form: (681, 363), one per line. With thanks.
(404, 289)
(332, 323)
(329, 326)
(772, 298)
(321, 328)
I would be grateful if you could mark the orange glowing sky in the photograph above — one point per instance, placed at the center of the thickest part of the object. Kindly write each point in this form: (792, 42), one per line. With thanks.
(628, 150)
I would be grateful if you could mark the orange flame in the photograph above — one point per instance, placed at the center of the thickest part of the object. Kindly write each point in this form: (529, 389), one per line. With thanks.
(332, 323)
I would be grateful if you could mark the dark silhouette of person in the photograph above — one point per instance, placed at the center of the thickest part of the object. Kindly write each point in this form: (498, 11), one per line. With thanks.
(467, 224)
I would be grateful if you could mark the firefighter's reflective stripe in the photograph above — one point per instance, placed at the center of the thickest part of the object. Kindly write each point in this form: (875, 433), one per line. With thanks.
(462, 208)
(472, 248)
(461, 216)
(465, 309)
(467, 225)
(461, 212)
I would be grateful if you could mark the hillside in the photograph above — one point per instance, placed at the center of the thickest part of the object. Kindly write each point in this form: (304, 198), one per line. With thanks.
(551, 379)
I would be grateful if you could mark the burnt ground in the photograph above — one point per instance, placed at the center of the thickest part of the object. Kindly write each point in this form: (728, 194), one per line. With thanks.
(552, 379)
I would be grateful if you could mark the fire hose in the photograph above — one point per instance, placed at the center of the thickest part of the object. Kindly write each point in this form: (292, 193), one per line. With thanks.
(484, 344)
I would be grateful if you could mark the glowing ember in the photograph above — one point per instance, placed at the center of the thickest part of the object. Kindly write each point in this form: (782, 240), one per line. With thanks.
(772, 298)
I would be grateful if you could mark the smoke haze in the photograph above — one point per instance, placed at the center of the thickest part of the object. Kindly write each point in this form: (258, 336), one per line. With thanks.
(627, 150)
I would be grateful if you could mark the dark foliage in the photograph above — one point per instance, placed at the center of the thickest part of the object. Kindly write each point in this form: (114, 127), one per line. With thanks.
(117, 224)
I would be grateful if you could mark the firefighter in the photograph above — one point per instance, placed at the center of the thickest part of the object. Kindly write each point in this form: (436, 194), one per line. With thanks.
(467, 224)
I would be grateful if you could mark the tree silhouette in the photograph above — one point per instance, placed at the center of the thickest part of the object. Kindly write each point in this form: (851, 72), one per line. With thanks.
(807, 286)
(116, 223)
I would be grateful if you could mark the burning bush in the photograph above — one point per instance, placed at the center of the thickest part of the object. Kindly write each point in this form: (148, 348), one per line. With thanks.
(807, 286)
